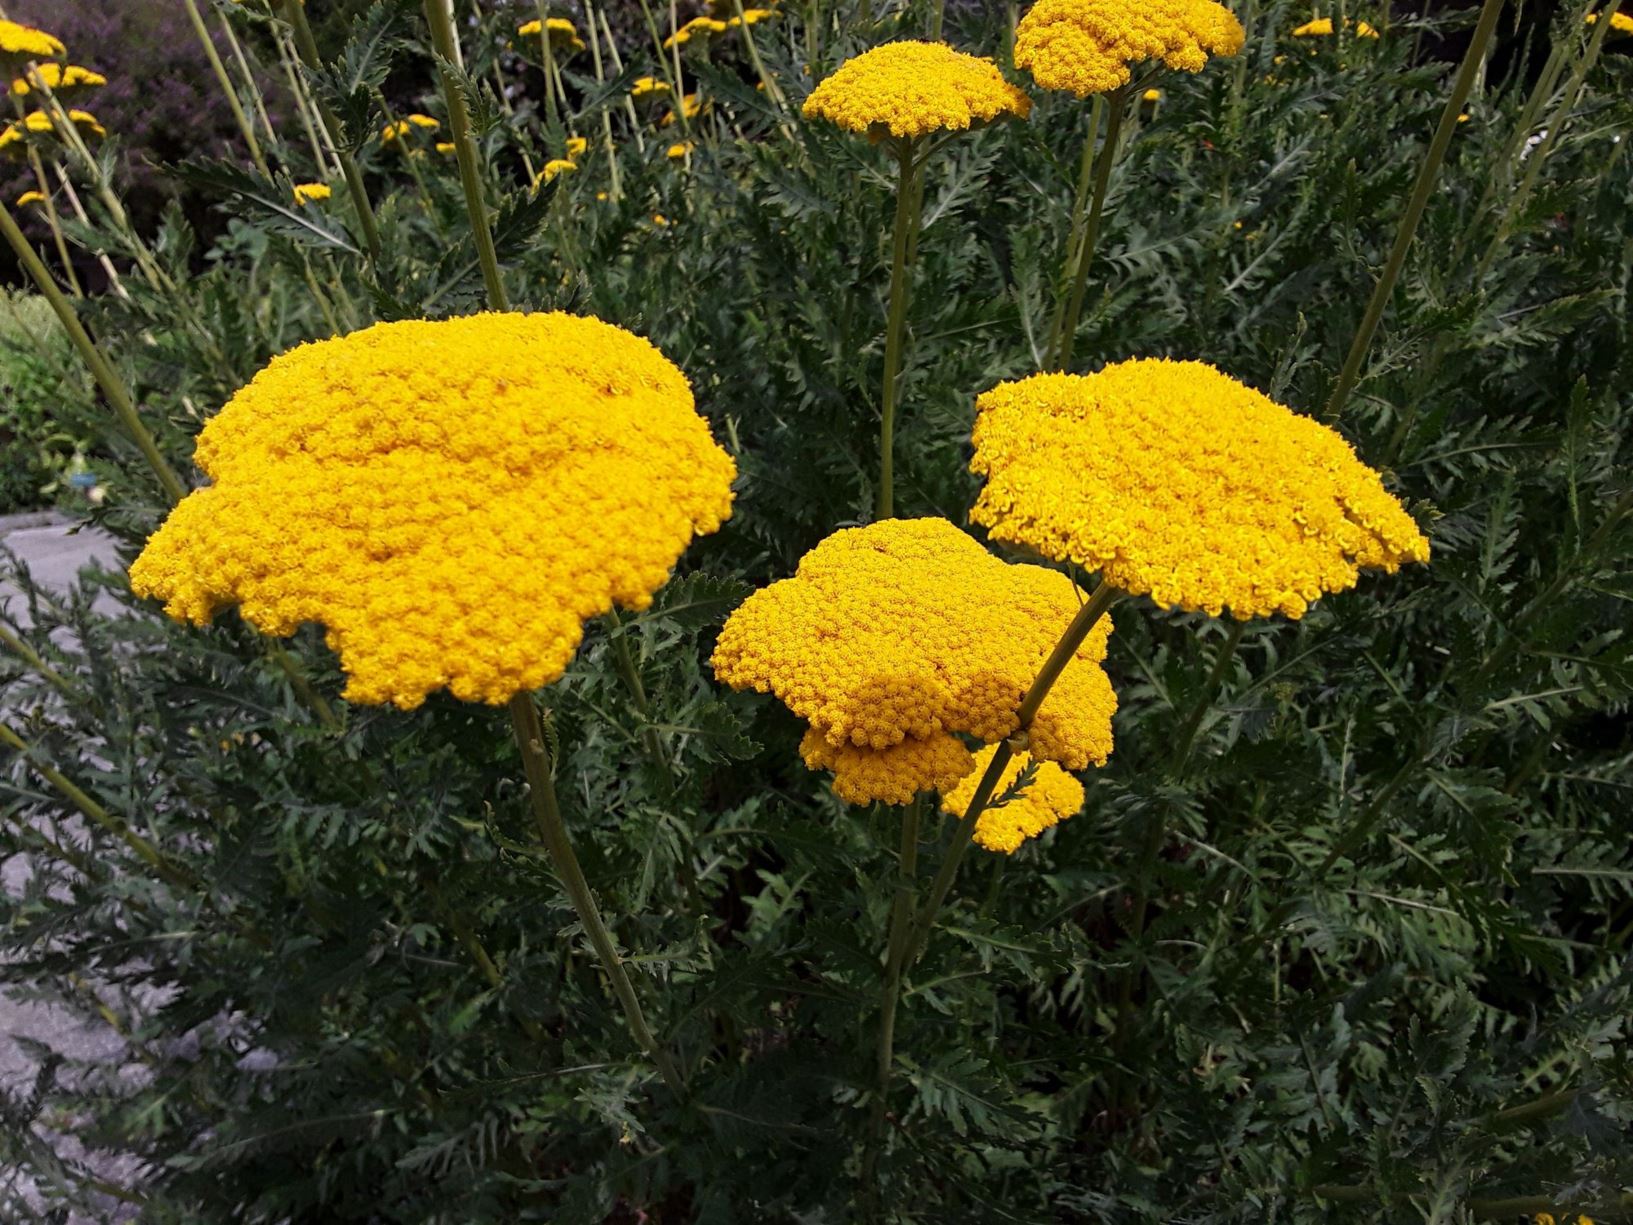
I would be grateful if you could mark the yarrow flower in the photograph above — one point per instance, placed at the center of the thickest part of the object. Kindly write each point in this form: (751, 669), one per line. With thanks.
(1178, 482)
(562, 33)
(644, 86)
(1048, 799)
(307, 193)
(690, 103)
(697, 26)
(679, 150)
(555, 166)
(451, 499)
(30, 197)
(14, 139)
(1322, 27)
(576, 145)
(405, 126)
(1086, 46)
(910, 89)
(751, 17)
(64, 82)
(1620, 22)
(891, 638)
(20, 44)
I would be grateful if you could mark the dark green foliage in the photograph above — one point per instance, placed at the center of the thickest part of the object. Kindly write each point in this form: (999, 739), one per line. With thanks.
(1342, 933)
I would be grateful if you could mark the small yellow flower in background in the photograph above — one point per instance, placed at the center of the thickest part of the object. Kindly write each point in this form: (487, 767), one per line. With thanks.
(1322, 27)
(659, 220)
(307, 193)
(644, 86)
(446, 148)
(1177, 482)
(576, 145)
(1051, 797)
(30, 197)
(1151, 95)
(696, 27)
(20, 43)
(751, 17)
(450, 499)
(405, 126)
(555, 166)
(1463, 117)
(563, 33)
(679, 150)
(1547, 1218)
(891, 638)
(690, 103)
(66, 83)
(1621, 23)
(1086, 46)
(16, 136)
(910, 89)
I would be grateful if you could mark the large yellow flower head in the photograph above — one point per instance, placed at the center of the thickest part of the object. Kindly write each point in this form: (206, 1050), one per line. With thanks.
(450, 499)
(19, 44)
(66, 83)
(909, 89)
(1086, 46)
(890, 638)
(1048, 799)
(1178, 482)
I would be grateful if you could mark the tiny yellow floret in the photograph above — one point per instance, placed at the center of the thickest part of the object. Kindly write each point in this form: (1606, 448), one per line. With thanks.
(1086, 46)
(910, 89)
(1051, 797)
(1177, 482)
(307, 193)
(451, 499)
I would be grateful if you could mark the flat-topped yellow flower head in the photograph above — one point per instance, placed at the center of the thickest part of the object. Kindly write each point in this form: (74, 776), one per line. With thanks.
(1177, 482)
(910, 89)
(561, 33)
(644, 87)
(1048, 799)
(19, 44)
(451, 499)
(65, 83)
(36, 125)
(1086, 46)
(311, 193)
(406, 126)
(697, 27)
(907, 630)
(1322, 27)
(553, 168)
(1620, 22)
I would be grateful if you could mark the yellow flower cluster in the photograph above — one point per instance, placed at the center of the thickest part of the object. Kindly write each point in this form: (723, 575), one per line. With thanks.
(1086, 46)
(1547, 1218)
(307, 193)
(1051, 797)
(20, 43)
(644, 86)
(910, 89)
(64, 82)
(1322, 27)
(452, 499)
(890, 638)
(751, 17)
(14, 139)
(1175, 480)
(690, 103)
(563, 33)
(30, 197)
(554, 167)
(404, 127)
(576, 145)
(696, 27)
(1620, 22)
(679, 149)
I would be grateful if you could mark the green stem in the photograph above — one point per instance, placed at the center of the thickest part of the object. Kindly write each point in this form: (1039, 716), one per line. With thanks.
(1210, 687)
(228, 91)
(895, 324)
(1091, 231)
(254, 86)
(470, 175)
(112, 385)
(1074, 235)
(307, 48)
(1473, 58)
(1105, 595)
(32, 658)
(896, 947)
(530, 738)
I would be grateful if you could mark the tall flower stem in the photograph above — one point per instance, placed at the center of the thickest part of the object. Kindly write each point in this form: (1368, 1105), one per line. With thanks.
(303, 102)
(250, 83)
(531, 739)
(895, 324)
(615, 187)
(1204, 702)
(1074, 235)
(307, 48)
(1428, 172)
(470, 174)
(54, 223)
(228, 90)
(1105, 595)
(901, 913)
(1091, 230)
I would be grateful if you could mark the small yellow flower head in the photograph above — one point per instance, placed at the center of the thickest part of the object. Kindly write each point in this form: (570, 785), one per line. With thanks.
(394, 132)
(451, 499)
(576, 145)
(37, 124)
(1322, 27)
(646, 86)
(65, 83)
(446, 148)
(19, 44)
(30, 197)
(1620, 23)
(308, 193)
(697, 27)
(1051, 797)
(908, 629)
(679, 150)
(690, 103)
(1178, 482)
(751, 17)
(563, 33)
(909, 89)
(888, 776)
(555, 166)
(662, 222)
(1151, 95)
(1086, 46)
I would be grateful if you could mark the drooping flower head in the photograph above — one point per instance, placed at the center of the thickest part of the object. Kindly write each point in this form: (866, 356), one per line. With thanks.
(1178, 482)
(450, 499)
(65, 83)
(890, 638)
(1322, 27)
(1049, 798)
(19, 44)
(910, 89)
(1086, 46)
